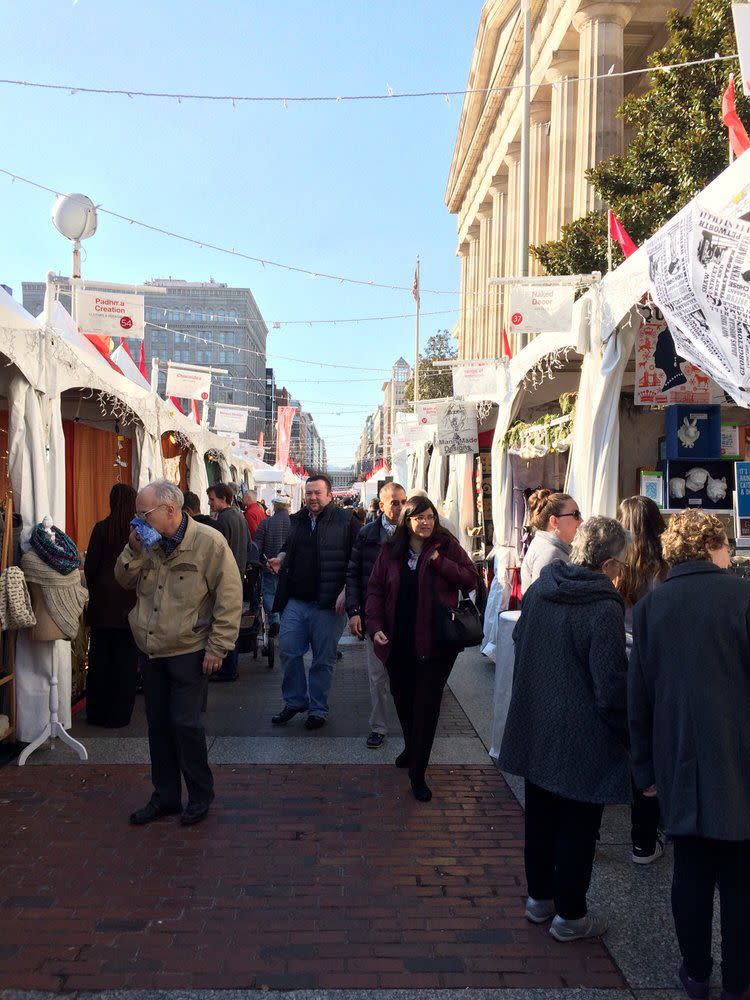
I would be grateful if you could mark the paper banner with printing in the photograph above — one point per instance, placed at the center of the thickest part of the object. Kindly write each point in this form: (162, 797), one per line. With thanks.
(110, 314)
(457, 432)
(184, 383)
(476, 382)
(661, 375)
(230, 418)
(542, 309)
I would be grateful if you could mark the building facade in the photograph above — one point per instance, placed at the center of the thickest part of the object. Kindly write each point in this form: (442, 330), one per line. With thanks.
(573, 128)
(201, 323)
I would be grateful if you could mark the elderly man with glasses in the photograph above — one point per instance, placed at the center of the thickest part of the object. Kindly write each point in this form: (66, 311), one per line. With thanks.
(364, 553)
(186, 619)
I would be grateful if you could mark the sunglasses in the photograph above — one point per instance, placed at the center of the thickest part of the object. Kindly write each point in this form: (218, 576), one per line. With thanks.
(576, 514)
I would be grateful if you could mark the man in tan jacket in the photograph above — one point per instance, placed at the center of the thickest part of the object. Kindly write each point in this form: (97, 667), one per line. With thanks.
(185, 621)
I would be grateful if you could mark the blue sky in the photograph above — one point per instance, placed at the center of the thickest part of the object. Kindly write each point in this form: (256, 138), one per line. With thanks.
(350, 188)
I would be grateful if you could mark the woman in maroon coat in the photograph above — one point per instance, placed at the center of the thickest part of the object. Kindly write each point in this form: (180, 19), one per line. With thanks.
(421, 564)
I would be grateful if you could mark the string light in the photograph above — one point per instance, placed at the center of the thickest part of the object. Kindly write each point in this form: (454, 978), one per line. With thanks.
(389, 95)
(230, 251)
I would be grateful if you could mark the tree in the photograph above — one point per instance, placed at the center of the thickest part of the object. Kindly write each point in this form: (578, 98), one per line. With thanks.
(678, 146)
(434, 383)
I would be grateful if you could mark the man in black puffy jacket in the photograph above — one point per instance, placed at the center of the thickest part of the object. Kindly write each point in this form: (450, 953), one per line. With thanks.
(366, 548)
(310, 598)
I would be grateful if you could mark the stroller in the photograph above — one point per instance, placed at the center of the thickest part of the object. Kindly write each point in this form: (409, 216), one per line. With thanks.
(253, 626)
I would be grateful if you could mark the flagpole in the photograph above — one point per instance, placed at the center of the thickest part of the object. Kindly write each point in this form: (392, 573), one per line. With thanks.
(416, 341)
(729, 137)
(609, 240)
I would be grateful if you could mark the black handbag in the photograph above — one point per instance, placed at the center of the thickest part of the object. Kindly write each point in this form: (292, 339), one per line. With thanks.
(460, 626)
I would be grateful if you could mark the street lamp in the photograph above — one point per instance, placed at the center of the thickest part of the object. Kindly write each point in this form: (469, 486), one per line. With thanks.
(74, 215)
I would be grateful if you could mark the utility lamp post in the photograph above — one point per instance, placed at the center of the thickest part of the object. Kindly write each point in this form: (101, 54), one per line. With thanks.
(74, 216)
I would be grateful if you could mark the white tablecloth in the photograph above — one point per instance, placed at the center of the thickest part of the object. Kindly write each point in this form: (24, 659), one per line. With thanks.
(504, 657)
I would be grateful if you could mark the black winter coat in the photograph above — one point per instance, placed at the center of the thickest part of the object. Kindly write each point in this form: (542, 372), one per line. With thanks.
(109, 603)
(335, 533)
(567, 722)
(689, 700)
(364, 554)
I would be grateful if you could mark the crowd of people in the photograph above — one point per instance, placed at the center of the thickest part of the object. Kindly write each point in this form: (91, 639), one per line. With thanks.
(631, 680)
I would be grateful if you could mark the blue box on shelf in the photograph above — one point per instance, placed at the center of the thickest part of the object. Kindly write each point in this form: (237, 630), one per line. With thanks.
(693, 431)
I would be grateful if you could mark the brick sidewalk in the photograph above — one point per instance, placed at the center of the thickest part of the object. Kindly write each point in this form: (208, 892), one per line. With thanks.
(303, 876)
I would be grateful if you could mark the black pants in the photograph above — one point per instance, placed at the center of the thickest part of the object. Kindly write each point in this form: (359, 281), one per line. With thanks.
(559, 850)
(644, 818)
(174, 687)
(417, 688)
(699, 866)
(111, 678)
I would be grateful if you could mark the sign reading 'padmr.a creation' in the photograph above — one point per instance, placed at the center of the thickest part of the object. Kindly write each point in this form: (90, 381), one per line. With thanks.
(110, 314)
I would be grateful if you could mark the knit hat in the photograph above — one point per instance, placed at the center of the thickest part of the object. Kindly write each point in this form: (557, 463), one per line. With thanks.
(63, 595)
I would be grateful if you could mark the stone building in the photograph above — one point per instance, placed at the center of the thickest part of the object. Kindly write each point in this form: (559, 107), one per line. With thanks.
(573, 127)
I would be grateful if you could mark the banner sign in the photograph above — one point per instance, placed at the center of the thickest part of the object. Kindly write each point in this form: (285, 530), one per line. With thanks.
(427, 410)
(410, 431)
(742, 504)
(110, 314)
(457, 428)
(476, 382)
(232, 439)
(183, 383)
(741, 15)
(230, 418)
(285, 416)
(661, 375)
(699, 267)
(544, 309)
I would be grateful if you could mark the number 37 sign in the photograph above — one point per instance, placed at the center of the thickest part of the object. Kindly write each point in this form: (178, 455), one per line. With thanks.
(546, 309)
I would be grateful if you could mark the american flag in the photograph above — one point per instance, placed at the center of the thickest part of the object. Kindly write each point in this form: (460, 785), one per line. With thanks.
(415, 286)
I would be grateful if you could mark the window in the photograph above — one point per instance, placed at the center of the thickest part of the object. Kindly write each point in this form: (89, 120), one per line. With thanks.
(221, 315)
(229, 337)
(222, 357)
(198, 316)
(175, 315)
(233, 314)
(153, 313)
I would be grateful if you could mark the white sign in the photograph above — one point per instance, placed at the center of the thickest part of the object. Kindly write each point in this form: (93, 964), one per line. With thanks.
(544, 309)
(109, 314)
(457, 432)
(183, 383)
(409, 431)
(230, 418)
(741, 15)
(699, 266)
(427, 410)
(231, 438)
(476, 382)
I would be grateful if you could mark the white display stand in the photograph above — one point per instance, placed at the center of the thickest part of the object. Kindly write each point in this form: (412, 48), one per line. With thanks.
(53, 729)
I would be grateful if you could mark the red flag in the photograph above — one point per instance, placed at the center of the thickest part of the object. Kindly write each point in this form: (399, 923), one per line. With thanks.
(176, 405)
(196, 412)
(104, 347)
(285, 416)
(738, 137)
(142, 362)
(620, 236)
(506, 345)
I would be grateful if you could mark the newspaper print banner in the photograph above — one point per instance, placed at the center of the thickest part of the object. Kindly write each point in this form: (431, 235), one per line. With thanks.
(230, 418)
(661, 375)
(110, 314)
(699, 266)
(183, 383)
(544, 309)
(457, 432)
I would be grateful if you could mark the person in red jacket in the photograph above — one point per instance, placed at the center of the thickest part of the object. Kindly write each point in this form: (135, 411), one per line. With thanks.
(253, 511)
(421, 565)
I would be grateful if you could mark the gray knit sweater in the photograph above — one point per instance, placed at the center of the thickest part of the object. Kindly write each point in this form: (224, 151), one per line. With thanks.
(545, 548)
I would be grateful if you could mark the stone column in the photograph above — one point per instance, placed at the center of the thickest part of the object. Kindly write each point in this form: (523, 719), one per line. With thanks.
(539, 170)
(499, 190)
(562, 153)
(463, 255)
(485, 240)
(600, 131)
(510, 254)
(471, 306)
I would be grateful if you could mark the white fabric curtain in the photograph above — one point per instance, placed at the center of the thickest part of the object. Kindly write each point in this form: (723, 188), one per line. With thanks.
(400, 468)
(38, 479)
(436, 477)
(147, 462)
(197, 478)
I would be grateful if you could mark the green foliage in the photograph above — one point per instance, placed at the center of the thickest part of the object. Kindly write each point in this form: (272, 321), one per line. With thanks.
(677, 143)
(539, 436)
(434, 383)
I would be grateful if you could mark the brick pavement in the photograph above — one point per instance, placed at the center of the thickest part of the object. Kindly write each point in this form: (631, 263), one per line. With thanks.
(327, 876)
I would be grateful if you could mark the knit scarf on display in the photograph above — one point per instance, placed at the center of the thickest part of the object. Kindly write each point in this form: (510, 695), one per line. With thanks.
(57, 550)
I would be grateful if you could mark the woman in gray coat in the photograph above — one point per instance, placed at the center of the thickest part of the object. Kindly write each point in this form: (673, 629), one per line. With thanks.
(566, 732)
(554, 518)
(689, 702)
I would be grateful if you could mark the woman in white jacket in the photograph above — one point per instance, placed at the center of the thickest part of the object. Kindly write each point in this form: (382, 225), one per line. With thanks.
(555, 518)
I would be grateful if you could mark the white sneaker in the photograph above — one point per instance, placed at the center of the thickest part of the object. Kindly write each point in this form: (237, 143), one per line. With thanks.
(639, 856)
(539, 911)
(589, 926)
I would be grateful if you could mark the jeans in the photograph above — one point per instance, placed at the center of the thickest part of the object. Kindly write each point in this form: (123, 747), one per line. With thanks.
(417, 687)
(174, 687)
(699, 866)
(268, 584)
(379, 689)
(306, 626)
(559, 849)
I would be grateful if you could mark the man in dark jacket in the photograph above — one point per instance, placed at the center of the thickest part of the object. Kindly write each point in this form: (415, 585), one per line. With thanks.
(310, 597)
(364, 554)
(231, 524)
(270, 538)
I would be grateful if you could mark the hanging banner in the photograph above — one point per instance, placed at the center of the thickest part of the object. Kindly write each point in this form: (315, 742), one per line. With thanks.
(699, 266)
(230, 418)
(184, 383)
(544, 309)
(245, 449)
(476, 382)
(427, 412)
(110, 314)
(232, 439)
(457, 428)
(285, 416)
(661, 375)
(741, 15)
(409, 431)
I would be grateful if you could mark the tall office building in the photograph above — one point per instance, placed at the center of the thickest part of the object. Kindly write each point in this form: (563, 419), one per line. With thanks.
(201, 323)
